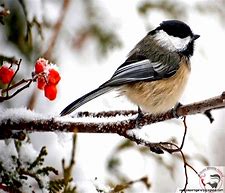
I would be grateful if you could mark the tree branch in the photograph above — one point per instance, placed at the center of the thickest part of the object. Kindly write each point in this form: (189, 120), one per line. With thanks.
(8, 127)
(57, 28)
(14, 127)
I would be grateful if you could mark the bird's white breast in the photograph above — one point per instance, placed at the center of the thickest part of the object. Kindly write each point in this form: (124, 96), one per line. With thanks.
(159, 96)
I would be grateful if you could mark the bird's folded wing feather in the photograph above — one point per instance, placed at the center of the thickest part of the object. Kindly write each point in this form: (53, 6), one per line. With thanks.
(143, 70)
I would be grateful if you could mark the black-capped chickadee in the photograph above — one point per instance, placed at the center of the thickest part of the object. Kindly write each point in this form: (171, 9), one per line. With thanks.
(155, 72)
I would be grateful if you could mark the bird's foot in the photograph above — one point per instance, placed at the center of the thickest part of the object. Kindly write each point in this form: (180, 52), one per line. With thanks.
(139, 118)
(174, 110)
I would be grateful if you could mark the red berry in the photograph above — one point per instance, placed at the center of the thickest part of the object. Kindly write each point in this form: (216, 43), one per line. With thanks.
(53, 76)
(41, 83)
(6, 74)
(39, 68)
(40, 65)
(50, 91)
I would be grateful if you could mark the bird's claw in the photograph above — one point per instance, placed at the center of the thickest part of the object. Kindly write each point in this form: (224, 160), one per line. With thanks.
(174, 110)
(139, 118)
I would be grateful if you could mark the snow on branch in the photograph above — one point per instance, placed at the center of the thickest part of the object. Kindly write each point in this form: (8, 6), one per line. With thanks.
(14, 122)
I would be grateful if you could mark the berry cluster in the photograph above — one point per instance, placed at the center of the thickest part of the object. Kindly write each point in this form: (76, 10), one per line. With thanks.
(6, 74)
(47, 77)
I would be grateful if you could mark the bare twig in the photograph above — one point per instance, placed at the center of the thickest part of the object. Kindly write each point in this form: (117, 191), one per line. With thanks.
(57, 28)
(17, 91)
(67, 170)
(17, 69)
(185, 132)
(185, 171)
(23, 81)
(121, 187)
(16, 85)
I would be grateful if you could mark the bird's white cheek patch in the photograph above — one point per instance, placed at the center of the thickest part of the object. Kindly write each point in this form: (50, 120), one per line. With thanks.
(171, 42)
(180, 43)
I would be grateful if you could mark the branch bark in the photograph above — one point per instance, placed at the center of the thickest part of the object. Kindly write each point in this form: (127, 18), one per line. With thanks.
(10, 128)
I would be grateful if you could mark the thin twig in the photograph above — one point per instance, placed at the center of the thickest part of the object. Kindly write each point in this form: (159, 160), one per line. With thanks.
(67, 170)
(16, 85)
(185, 171)
(193, 169)
(120, 187)
(17, 69)
(179, 149)
(10, 87)
(57, 28)
(16, 92)
(185, 132)
(72, 160)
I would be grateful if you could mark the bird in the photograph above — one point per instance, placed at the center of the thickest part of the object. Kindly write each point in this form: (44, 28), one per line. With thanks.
(155, 72)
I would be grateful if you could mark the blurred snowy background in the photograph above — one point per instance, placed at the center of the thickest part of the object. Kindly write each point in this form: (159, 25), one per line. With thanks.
(92, 40)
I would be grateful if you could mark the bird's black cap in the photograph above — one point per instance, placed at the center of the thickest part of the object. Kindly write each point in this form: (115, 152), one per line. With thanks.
(176, 28)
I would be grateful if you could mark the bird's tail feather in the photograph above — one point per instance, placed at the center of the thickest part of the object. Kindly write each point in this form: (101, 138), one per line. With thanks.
(84, 99)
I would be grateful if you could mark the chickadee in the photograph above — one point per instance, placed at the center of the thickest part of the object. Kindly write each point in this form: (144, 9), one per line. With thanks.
(155, 72)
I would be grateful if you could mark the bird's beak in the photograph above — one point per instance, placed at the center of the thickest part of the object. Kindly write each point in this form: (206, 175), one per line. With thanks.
(196, 36)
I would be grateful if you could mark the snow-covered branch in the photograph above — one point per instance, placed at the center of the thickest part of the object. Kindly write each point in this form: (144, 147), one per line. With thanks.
(14, 121)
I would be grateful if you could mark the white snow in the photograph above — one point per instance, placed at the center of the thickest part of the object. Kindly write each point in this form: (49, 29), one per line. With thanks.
(69, 118)
(27, 153)
(17, 114)
(34, 10)
(7, 149)
(81, 72)
(86, 187)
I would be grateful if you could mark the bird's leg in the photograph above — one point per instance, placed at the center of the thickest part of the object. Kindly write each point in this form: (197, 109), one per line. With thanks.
(174, 110)
(139, 117)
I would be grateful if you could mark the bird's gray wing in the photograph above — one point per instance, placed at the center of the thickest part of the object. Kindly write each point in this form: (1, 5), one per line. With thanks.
(135, 68)
(142, 69)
